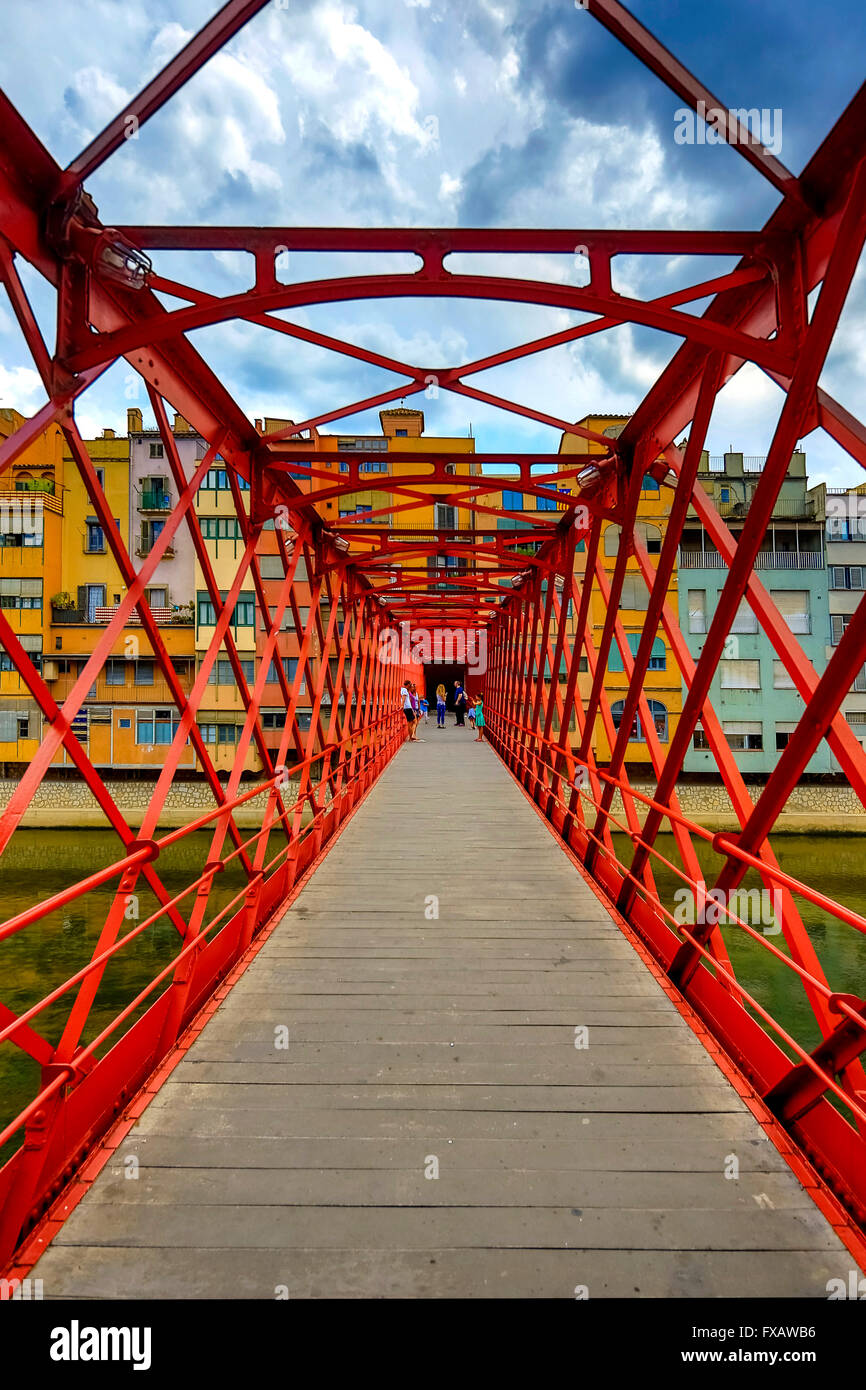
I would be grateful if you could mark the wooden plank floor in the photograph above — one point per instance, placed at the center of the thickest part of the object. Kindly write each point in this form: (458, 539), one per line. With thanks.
(414, 1039)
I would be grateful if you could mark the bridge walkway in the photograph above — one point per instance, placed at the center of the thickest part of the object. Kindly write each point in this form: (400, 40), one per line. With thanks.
(423, 1044)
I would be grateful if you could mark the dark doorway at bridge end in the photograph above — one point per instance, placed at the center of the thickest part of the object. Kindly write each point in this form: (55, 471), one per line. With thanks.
(443, 673)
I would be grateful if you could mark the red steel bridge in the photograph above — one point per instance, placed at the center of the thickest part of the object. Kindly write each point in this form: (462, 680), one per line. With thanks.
(98, 1074)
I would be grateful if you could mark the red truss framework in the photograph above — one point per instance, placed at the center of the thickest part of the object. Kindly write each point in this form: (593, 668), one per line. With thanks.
(376, 573)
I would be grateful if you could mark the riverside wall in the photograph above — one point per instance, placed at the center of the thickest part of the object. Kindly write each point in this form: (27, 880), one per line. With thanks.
(811, 808)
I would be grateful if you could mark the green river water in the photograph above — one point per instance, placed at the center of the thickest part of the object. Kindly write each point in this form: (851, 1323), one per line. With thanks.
(39, 863)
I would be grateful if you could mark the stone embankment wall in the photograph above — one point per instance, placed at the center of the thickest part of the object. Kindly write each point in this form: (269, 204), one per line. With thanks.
(812, 807)
(818, 807)
(72, 804)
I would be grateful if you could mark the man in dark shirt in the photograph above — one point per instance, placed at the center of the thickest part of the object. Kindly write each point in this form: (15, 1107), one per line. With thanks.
(460, 704)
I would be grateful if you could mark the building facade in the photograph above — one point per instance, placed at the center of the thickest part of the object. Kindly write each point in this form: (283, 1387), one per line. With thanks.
(752, 692)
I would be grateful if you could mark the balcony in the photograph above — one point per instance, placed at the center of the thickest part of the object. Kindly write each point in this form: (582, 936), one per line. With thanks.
(154, 500)
(163, 617)
(143, 547)
(32, 495)
(157, 692)
(796, 508)
(764, 560)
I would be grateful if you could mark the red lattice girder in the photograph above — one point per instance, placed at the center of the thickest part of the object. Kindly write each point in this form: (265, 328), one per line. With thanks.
(544, 616)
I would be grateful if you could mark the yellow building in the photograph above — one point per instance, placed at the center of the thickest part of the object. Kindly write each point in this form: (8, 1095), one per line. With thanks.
(129, 717)
(31, 520)
(221, 711)
(402, 432)
(662, 683)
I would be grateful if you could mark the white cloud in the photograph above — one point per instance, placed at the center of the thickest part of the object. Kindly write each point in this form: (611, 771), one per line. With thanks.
(355, 86)
(21, 387)
(449, 187)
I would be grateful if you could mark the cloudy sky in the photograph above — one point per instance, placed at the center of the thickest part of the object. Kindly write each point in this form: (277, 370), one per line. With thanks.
(437, 113)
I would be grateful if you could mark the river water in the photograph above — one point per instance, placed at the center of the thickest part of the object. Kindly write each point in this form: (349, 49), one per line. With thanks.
(39, 863)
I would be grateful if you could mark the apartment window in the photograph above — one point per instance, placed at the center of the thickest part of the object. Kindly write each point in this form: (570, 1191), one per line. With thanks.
(245, 610)
(658, 657)
(360, 510)
(546, 504)
(144, 673)
(700, 740)
(156, 451)
(401, 434)
(726, 494)
(648, 535)
(838, 624)
(634, 593)
(21, 593)
(374, 466)
(659, 716)
(23, 726)
(94, 540)
(215, 480)
(744, 619)
(290, 667)
(206, 611)
(512, 501)
(115, 672)
(740, 675)
(846, 576)
(860, 680)
(273, 719)
(784, 731)
(649, 484)
(100, 476)
(271, 567)
(781, 679)
(156, 726)
(793, 604)
(221, 672)
(745, 736)
(697, 610)
(221, 528)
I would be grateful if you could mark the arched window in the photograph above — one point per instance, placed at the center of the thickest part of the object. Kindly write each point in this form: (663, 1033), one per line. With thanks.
(659, 716)
(650, 536)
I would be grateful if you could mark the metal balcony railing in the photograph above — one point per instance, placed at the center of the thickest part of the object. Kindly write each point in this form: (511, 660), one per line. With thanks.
(144, 547)
(764, 560)
(154, 500)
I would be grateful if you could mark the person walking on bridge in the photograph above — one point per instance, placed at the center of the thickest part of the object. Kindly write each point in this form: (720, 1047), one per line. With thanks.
(441, 696)
(460, 704)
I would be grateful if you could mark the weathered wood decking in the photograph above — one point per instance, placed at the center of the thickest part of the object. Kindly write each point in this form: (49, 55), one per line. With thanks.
(413, 1040)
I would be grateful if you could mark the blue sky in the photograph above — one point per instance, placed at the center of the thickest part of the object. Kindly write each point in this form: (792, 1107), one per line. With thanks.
(435, 112)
